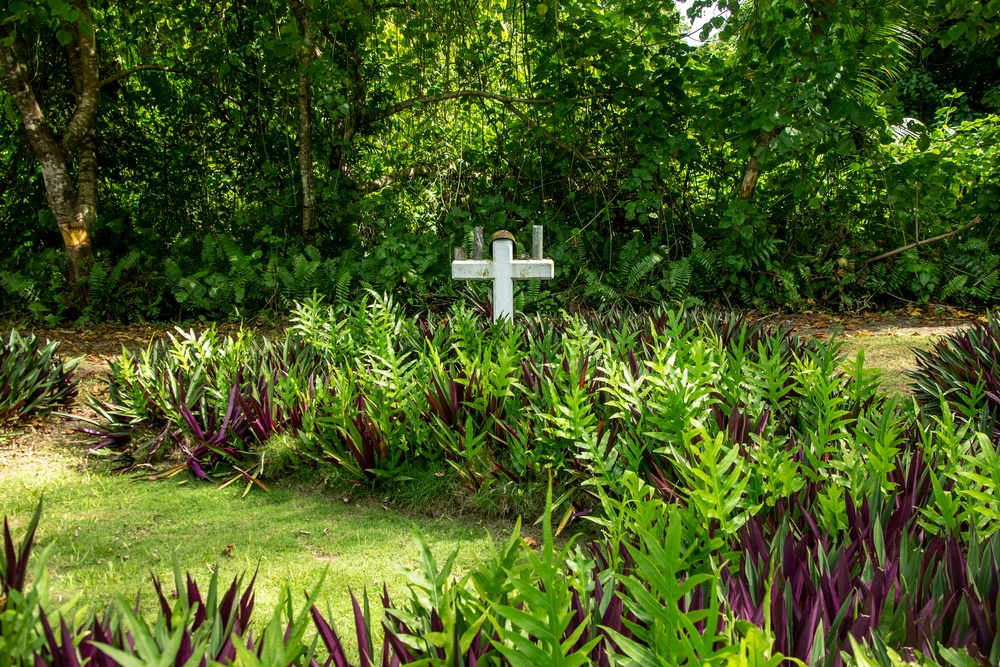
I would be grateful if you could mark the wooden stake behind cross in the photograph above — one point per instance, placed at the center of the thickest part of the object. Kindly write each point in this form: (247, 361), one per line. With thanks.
(503, 269)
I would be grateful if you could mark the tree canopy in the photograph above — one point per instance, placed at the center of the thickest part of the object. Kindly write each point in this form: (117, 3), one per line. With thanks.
(214, 159)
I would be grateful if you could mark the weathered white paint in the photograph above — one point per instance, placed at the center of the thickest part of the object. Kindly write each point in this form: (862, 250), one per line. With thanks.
(503, 270)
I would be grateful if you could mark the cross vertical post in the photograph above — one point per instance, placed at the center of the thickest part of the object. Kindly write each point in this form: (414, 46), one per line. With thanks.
(502, 249)
(477, 243)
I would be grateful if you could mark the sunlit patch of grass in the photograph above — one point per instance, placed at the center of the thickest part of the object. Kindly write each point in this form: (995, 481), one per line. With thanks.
(109, 533)
(892, 355)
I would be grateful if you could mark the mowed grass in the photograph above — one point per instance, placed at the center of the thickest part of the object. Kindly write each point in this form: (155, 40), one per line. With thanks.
(108, 533)
(891, 354)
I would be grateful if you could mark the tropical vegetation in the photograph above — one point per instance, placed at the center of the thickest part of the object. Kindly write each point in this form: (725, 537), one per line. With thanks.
(736, 495)
(752, 497)
(166, 161)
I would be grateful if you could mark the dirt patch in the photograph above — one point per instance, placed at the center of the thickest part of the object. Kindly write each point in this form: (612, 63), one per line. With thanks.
(101, 342)
(888, 338)
(909, 321)
(892, 354)
(49, 439)
(52, 436)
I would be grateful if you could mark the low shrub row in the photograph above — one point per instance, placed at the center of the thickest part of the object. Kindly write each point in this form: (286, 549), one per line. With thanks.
(374, 392)
(759, 500)
(783, 488)
(652, 590)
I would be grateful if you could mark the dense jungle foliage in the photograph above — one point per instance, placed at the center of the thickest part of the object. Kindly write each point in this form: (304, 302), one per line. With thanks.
(187, 159)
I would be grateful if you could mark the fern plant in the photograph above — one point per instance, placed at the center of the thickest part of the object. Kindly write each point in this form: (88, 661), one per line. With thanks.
(116, 293)
(630, 280)
(38, 287)
(308, 273)
(230, 281)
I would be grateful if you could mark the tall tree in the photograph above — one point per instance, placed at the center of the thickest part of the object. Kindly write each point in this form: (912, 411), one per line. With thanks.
(308, 53)
(73, 201)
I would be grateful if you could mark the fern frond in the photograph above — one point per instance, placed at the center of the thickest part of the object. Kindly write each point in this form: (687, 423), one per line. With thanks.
(343, 286)
(680, 277)
(953, 286)
(641, 269)
(628, 257)
(17, 285)
(701, 256)
(791, 289)
(208, 256)
(126, 263)
(172, 271)
(987, 286)
(98, 282)
(596, 287)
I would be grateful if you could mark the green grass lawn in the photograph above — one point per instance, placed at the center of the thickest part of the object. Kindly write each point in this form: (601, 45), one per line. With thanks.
(108, 533)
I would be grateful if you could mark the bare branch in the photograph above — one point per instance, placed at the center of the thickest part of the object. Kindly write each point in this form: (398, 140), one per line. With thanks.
(391, 5)
(401, 175)
(143, 68)
(451, 95)
(118, 76)
(911, 246)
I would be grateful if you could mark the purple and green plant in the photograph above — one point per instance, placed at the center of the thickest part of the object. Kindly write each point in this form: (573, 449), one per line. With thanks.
(963, 369)
(33, 379)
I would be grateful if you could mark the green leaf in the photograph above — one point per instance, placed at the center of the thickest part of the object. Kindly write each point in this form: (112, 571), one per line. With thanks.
(845, 146)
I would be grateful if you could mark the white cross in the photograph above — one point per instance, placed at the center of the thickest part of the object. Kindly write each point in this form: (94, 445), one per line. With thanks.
(503, 270)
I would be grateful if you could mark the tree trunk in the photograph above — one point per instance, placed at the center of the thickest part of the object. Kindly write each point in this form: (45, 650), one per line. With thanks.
(86, 208)
(748, 186)
(75, 210)
(307, 57)
(310, 225)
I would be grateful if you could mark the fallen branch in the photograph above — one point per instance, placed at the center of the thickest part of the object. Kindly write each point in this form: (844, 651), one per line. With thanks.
(911, 246)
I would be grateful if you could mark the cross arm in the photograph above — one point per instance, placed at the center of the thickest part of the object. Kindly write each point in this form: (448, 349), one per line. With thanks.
(472, 269)
(533, 269)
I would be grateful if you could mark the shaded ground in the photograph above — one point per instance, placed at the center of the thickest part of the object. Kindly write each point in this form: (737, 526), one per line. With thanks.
(109, 532)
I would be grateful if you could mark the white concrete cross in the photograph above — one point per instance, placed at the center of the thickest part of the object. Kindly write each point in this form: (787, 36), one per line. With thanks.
(503, 269)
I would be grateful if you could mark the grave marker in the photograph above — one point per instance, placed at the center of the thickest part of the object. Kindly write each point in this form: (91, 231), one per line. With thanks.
(503, 269)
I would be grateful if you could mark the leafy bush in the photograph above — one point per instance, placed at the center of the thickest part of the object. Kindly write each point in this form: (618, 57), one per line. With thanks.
(33, 380)
(375, 392)
(962, 369)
